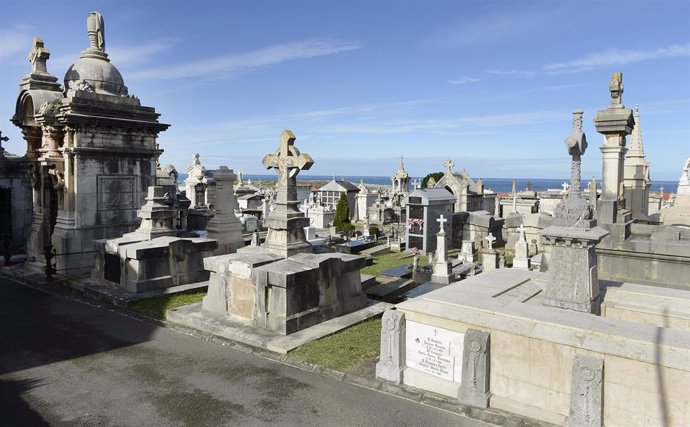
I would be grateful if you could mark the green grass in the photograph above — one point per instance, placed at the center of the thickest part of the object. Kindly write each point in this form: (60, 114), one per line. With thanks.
(345, 350)
(157, 306)
(389, 260)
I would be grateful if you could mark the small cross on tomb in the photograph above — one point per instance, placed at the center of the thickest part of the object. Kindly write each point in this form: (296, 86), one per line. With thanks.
(449, 165)
(565, 186)
(521, 230)
(491, 239)
(442, 222)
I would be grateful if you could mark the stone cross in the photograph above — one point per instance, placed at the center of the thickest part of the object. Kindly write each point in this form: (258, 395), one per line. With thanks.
(576, 143)
(661, 190)
(39, 56)
(491, 239)
(565, 186)
(449, 166)
(442, 222)
(289, 162)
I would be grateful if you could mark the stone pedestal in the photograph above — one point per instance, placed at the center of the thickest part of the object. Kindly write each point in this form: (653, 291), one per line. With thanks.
(467, 252)
(574, 282)
(442, 271)
(490, 259)
(225, 226)
(521, 259)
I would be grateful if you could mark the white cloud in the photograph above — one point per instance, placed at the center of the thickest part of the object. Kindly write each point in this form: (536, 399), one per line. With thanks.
(463, 80)
(225, 66)
(15, 40)
(605, 58)
(126, 56)
(610, 57)
(516, 73)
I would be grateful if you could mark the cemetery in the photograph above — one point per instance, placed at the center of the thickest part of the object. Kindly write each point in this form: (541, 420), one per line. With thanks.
(565, 306)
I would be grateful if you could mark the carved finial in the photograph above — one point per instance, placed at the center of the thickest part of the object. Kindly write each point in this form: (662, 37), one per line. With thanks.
(95, 28)
(637, 110)
(577, 120)
(616, 88)
(196, 159)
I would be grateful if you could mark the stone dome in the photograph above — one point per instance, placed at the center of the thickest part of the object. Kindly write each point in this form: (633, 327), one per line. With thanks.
(94, 73)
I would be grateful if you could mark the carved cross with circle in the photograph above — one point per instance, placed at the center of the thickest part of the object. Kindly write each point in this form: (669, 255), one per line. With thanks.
(287, 158)
(449, 165)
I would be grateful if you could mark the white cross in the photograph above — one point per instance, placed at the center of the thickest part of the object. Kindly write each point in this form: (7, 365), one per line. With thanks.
(491, 239)
(441, 220)
(565, 186)
(521, 229)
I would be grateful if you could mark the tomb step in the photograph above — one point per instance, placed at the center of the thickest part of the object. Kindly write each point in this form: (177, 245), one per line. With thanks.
(368, 281)
(403, 271)
(390, 290)
(377, 250)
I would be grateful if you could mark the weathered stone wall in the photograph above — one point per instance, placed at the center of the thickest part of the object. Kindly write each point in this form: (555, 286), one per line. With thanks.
(645, 375)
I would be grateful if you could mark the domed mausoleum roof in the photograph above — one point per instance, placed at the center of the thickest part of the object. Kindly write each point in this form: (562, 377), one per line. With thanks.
(93, 71)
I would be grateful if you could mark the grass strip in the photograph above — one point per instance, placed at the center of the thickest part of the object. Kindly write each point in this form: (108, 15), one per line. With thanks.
(157, 306)
(345, 350)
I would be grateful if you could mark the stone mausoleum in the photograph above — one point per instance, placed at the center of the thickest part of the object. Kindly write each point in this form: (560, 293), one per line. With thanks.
(92, 147)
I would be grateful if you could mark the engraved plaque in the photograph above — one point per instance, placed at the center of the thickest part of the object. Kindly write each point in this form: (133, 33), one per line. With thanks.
(434, 350)
(115, 192)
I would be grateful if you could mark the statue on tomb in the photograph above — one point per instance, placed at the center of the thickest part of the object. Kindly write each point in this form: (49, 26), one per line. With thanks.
(96, 30)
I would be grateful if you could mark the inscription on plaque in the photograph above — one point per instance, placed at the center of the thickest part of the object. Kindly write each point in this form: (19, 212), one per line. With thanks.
(115, 192)
(434, 350)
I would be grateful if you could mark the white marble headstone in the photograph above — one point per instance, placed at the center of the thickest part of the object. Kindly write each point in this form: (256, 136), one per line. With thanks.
(434, 350)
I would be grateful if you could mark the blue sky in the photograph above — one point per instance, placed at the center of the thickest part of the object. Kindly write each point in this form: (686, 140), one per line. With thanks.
(490, 84)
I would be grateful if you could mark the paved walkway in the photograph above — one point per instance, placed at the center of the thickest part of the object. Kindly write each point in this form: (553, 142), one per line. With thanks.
(63, 362)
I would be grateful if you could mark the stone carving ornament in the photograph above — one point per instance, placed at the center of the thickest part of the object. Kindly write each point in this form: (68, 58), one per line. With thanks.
(474, 386)
(392, 354)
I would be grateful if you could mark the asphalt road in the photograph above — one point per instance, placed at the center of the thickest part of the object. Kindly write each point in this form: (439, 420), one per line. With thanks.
(63, 362)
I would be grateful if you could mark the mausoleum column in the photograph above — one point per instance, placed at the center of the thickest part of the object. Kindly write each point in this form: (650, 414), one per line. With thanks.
(614, 123)
(33, 137)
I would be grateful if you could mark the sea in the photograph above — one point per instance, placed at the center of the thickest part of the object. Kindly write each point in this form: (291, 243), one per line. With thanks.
(498, 185)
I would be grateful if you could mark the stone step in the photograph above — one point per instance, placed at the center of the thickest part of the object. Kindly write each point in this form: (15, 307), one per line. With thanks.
(377, 250)
(368, 281)
(390, 290)
(404, 271)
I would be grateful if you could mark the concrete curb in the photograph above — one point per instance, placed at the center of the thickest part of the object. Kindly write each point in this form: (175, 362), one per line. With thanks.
(490, 415)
